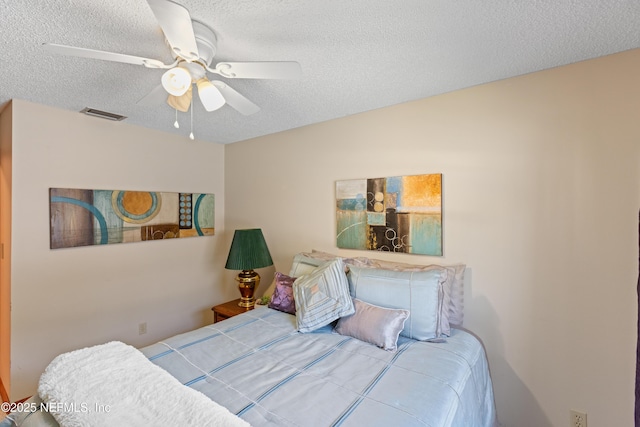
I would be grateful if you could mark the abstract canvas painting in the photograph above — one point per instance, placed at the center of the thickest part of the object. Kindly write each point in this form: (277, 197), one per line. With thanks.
(99, 217)
(395, 214)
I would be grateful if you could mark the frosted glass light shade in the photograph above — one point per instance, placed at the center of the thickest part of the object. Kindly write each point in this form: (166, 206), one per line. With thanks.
(176, 81)
(210, 96)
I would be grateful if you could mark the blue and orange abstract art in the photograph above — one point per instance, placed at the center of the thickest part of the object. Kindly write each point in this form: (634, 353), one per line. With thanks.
(100, 217)
(395, 214)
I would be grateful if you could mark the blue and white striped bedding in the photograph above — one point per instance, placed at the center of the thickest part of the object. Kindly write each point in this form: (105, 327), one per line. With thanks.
(259, 367)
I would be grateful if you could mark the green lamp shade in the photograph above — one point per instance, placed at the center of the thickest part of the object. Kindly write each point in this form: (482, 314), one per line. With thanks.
(248, 251)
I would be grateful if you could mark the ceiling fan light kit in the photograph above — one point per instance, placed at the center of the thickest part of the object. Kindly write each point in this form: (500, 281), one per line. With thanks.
(193, 46)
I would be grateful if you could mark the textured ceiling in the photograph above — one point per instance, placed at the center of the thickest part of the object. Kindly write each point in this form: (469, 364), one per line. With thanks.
(355, 55)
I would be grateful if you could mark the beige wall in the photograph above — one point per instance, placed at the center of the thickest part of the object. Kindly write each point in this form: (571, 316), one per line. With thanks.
(5, 236)
(541, 201)
(69, 298)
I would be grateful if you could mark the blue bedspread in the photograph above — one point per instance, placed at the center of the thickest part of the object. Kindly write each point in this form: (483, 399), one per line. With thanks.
(259, 367)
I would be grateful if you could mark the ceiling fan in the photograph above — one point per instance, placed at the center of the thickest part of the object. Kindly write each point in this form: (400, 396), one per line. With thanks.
(193, 46)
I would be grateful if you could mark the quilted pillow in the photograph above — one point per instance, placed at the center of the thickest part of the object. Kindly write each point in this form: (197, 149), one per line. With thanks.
(322, 296)
(282, 297)
(420, 292)
(376, 325)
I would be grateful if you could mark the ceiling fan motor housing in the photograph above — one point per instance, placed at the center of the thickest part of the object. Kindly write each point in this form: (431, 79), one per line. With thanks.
(206, 42)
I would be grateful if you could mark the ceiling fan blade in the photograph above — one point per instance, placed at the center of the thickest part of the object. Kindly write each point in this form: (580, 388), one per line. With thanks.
(236, 100)
(157, 96)
(105, 56)
(258, 70)
(175, 21)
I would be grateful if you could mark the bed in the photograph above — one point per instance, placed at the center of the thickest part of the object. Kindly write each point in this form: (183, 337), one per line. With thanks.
(266, 372)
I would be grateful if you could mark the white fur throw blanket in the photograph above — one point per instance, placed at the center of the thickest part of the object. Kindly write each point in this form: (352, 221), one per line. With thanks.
(114, 384)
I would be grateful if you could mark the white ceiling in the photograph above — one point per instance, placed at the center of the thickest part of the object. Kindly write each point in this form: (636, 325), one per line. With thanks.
(356, 55)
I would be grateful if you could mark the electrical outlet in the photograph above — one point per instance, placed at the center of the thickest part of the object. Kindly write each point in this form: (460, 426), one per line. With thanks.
(142, 328)
(578, 419)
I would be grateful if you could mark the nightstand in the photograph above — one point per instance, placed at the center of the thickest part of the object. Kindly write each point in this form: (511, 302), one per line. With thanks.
(227, 310)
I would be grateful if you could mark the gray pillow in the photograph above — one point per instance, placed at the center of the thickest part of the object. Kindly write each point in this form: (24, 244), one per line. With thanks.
(376, 325)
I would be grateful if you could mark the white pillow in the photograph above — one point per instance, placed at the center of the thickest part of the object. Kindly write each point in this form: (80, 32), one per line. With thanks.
(322, 296)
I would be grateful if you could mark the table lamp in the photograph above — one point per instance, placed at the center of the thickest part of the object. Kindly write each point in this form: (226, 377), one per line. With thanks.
(248, 251)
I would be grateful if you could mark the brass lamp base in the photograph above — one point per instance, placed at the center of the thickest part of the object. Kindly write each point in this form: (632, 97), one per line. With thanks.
(248, 281)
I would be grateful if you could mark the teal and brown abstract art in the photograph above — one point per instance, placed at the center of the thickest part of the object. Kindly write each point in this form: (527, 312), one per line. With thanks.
(395, 214)
(100, 217)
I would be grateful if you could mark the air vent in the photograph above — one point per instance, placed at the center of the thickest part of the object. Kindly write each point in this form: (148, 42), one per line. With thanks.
(102, 114)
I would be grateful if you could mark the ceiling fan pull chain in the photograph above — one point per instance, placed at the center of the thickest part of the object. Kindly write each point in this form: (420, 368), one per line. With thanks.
(176, 124)
(191, 137)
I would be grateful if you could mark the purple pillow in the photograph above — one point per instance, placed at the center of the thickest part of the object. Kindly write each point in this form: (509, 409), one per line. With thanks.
(282, 298)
